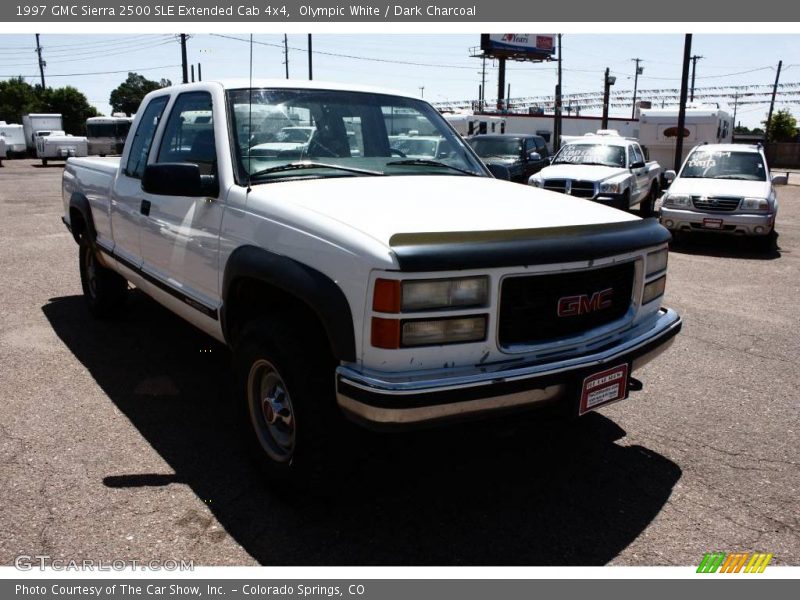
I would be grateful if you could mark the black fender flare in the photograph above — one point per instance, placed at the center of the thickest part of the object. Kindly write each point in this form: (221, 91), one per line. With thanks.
(321, 294)
(80, 203)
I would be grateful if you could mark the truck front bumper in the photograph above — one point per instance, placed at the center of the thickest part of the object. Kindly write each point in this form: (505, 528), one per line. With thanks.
(384, 402)
(721, 222)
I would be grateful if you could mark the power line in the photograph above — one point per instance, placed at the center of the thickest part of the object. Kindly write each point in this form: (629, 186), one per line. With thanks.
(98, 72)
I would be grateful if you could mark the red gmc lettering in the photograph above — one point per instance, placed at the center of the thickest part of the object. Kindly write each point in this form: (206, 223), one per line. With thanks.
(572, 306)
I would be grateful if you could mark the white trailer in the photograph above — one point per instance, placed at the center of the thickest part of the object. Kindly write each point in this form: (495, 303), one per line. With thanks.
(2, 151)
(57, 145)
(472, 124)
(35, 122)
(705, 124)
(106, 135)
(13, 136)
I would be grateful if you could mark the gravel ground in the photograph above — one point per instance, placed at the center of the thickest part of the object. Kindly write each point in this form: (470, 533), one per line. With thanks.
(117, 440)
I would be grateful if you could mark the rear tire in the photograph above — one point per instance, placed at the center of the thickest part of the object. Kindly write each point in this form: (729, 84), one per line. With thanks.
(103, 289)
(285, 390)
(44, 162)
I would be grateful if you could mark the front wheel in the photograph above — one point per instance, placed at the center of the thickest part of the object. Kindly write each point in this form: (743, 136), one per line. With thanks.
(44, 162)
(103, 290)
(287, 403)
(648, 205)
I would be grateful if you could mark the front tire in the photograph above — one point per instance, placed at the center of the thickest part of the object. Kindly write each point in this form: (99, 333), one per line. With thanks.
(103, 290)
(285, 387)
(44, 162)
(648, 205)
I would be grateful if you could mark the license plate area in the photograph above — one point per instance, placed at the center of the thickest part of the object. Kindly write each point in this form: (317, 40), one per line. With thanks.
(604, 387)
(712, 223)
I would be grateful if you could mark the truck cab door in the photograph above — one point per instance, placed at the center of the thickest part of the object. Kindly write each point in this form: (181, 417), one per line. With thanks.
(127, 198)
(641, 183)
(180, 234)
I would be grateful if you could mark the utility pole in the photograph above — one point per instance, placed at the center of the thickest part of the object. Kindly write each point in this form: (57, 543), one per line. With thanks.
(735, 107)
(422, 91)
(607, 83)
(694, 58)
(639, 71)
(557, 125)
(184, 62)
(192, 66)
(286, 54)
(483, 84)
(199, 72)
(767, 131)
(310, 70)
(687, 51)
(501, 83)
(42, 64)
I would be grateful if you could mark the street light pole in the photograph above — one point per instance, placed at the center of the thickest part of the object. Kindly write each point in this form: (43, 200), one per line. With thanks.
(639, 71)
(687, 51)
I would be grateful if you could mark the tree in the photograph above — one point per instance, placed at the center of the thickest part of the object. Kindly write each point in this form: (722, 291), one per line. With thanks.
(73, 107)
(782, 127)
(128, 95)
(17, 98)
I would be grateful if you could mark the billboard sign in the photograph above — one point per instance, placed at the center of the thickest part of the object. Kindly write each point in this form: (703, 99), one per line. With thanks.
(521, 46)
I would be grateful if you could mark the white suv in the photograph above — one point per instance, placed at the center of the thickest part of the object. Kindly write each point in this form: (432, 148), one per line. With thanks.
(724, 188)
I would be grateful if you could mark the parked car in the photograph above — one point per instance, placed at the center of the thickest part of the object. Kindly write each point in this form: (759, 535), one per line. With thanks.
(287, 140)
(606, 168)
(523, 155)
(394, 291)
(722, 188)
(417, 146)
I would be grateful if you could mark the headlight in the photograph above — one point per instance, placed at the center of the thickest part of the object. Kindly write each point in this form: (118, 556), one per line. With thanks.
(443, 331)
(657, 261)
(435, 294)
(609, 188)
(677, 200)
(755, 204)
(654, 289)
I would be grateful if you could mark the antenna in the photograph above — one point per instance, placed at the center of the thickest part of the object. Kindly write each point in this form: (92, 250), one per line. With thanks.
(250, 117)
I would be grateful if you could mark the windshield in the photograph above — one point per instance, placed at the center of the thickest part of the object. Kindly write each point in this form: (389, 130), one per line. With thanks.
(713, 164)
(591, 154)
(496, 147)
(341, 134)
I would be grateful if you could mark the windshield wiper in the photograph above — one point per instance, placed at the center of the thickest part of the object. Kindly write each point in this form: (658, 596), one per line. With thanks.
(309, 164)
(424, 162)
(742, 177)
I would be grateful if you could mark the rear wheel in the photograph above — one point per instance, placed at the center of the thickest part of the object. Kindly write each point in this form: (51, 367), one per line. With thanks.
(103, 289)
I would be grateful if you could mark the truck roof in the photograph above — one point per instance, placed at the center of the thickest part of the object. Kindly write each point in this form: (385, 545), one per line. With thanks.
(243, 83)
(609, 140)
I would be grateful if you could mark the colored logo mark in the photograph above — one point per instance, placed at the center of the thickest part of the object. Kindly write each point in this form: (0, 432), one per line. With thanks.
(744, 562)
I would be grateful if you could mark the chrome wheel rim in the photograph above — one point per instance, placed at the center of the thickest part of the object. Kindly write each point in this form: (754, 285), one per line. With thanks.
(271, 411)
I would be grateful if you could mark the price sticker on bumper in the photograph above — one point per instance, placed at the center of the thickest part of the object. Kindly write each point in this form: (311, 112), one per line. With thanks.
(604, 387)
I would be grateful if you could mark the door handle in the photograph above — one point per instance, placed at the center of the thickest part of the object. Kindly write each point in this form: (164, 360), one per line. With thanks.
(145, 208)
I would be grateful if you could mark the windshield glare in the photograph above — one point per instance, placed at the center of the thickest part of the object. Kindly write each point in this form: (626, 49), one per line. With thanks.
(599, 154)
(344, 129)
(496, 147)
(712, 164)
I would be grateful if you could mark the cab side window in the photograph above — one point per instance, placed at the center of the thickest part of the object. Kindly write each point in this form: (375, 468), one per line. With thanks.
(143, 138)
(189, 133)
(636, 155)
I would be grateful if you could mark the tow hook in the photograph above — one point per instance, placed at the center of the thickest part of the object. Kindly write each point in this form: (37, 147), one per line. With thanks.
(635, 385)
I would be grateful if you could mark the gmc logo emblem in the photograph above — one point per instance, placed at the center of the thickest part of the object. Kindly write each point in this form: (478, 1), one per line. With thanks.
(572, 306)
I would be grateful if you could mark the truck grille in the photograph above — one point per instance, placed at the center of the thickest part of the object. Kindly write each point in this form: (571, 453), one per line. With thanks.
(581, 189)
(716, 203)
(529, 306)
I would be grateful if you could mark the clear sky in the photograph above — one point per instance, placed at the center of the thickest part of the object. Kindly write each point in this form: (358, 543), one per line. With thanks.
(96, 64)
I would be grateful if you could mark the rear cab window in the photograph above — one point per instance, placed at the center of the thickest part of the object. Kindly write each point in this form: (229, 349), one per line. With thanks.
(143, 137)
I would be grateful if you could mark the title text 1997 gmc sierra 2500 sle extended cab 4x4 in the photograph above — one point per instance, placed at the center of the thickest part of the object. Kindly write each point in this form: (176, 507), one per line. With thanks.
(606, 168)
(349, 278)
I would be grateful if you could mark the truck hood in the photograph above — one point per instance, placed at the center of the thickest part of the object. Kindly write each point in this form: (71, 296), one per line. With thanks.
(381, 207)
(720, 187)
(581, 172)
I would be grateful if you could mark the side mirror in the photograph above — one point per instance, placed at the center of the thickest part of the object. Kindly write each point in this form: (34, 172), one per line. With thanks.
(637, 165)
(780, 180)
(669, 176)
(178, 179)
(499, 171)
(534, 156)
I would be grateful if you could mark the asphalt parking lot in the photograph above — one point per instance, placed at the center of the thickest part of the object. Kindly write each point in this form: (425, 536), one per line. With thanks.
(116, 438)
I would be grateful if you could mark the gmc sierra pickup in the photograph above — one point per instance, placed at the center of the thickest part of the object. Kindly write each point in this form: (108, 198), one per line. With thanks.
(348, 278)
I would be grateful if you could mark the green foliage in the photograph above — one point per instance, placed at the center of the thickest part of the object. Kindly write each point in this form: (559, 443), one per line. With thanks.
(128, 95)
(73, 107)
(18, 98)
(782, 127)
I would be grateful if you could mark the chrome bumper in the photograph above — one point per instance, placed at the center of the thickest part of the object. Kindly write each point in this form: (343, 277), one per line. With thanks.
(740, 223)
(399, 401)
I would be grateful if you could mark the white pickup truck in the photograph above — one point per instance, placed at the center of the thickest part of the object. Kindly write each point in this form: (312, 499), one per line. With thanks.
(606, 168)
(393, 290)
